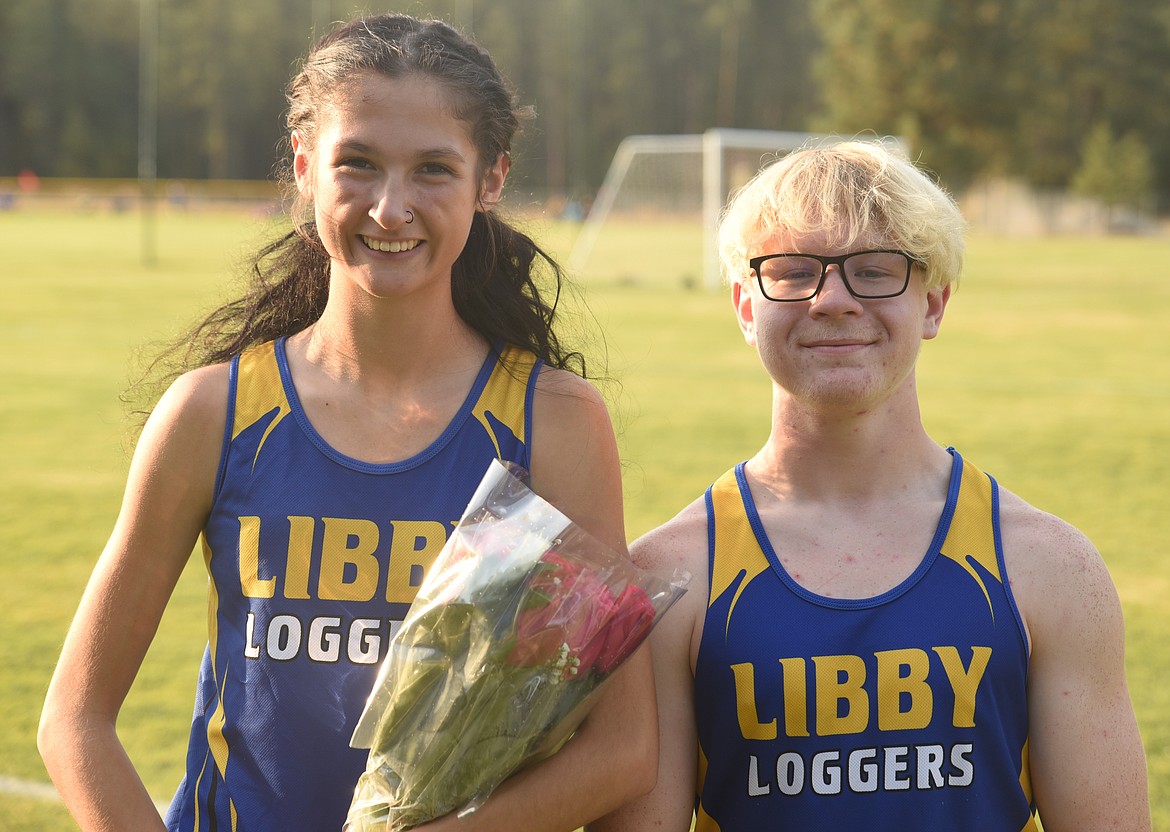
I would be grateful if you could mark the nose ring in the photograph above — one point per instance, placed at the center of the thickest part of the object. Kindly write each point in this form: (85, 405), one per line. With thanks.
(409, 221)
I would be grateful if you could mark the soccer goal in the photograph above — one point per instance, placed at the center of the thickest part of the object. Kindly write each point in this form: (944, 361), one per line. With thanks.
(654, 218)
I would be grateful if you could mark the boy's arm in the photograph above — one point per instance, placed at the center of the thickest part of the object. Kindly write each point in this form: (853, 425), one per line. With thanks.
(1087, 764)
(680, 544)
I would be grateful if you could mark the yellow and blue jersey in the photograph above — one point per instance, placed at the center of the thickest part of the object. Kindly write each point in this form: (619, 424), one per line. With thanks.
(314, 558)
(907, 710)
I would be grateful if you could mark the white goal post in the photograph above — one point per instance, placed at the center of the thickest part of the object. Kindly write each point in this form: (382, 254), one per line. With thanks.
(687, 177)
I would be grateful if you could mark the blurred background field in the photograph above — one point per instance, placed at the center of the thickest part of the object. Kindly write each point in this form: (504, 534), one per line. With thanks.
(1051, 373)
(1048, 119)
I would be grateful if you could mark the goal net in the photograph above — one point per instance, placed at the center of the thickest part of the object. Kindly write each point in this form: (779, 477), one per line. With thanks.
(653, 220)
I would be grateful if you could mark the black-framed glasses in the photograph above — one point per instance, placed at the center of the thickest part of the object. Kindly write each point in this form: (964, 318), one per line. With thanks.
(881, 273)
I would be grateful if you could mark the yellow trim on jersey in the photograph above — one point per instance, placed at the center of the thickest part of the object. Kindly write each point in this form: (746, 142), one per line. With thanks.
(733, 534)
(703, 821)
(970, 536)
(216, 742)
(215, 738)
(503, 398)
(259, 390)
(1026, 785)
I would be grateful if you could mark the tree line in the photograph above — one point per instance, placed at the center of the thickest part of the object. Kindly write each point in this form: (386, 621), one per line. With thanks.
(1060, 94)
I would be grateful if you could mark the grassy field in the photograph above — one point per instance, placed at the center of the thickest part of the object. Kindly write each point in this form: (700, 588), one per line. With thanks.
(1052, 372)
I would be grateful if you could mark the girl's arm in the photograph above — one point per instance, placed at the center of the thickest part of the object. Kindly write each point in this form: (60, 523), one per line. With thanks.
(168, 496)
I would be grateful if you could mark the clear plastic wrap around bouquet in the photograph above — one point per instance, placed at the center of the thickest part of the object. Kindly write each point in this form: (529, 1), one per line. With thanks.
(521, 618)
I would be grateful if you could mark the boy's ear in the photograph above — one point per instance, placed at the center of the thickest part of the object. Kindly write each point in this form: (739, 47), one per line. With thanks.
(741, 299)
(936, 305)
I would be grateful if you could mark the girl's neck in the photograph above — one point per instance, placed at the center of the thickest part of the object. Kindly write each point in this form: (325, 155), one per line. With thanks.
(395, 347)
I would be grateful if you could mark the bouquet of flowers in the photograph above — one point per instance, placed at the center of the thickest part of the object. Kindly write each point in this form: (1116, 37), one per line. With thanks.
(519, 621)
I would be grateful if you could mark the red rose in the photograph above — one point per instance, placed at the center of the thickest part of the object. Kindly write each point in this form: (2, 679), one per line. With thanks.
(627, 628)
(572, 618)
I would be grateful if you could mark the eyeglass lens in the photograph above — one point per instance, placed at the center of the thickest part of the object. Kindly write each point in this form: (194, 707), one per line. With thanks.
(868, 275)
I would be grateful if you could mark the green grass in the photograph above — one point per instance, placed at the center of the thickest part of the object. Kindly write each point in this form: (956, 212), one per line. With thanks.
(1051, 372)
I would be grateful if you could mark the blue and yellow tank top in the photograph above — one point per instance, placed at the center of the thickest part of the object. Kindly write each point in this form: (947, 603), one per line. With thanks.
(907, 710)
(314, 558)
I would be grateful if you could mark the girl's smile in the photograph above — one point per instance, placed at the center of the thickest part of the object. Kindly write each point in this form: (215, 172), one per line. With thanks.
(395, 179)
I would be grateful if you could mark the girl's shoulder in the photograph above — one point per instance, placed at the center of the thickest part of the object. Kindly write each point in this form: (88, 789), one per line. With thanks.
(192, 412)
(569, 415)
(575, 463)
(564, 395)
(200, 392)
